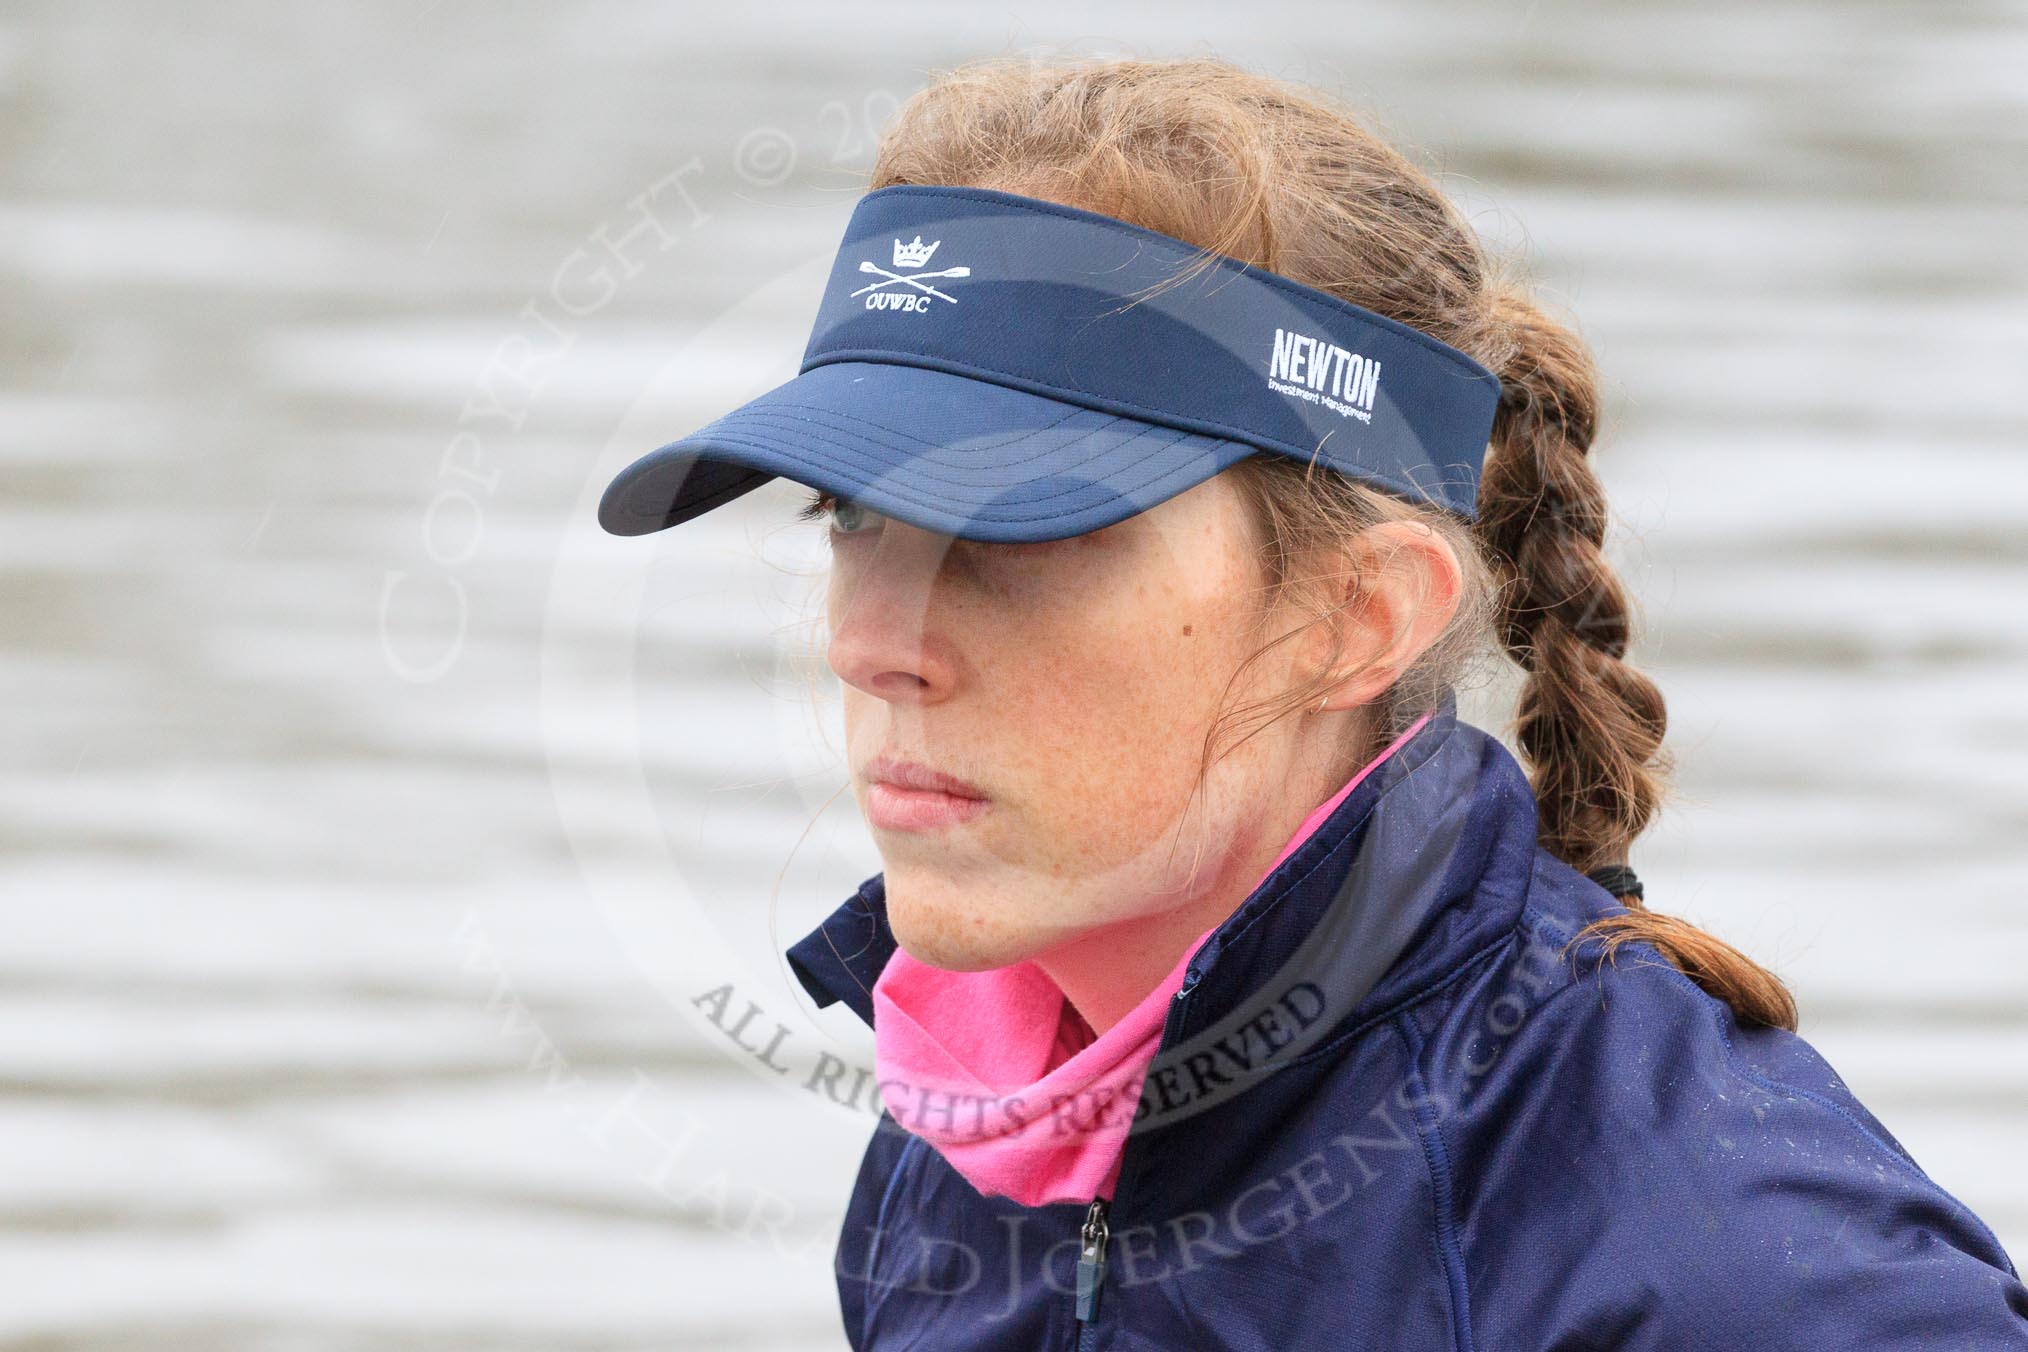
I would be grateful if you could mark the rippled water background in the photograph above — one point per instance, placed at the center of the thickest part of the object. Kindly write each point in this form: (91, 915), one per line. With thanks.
(369, 820)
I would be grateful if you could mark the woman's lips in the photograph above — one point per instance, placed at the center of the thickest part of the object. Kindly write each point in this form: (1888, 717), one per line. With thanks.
(894, 808)
(905, 795)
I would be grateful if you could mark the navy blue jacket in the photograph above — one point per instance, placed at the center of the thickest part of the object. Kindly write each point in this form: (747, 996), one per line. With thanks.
(1390, 1111)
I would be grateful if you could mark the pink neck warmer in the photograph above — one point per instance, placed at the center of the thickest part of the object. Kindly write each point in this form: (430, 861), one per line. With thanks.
(998, 1072)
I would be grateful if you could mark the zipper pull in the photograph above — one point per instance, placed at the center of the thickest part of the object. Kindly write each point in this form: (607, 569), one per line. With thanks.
(1091, 1260)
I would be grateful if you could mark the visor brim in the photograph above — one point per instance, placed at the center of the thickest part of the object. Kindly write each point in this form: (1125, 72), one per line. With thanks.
(933, 449)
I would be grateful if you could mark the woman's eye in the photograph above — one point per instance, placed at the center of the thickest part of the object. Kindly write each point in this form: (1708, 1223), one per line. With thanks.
(847, 517)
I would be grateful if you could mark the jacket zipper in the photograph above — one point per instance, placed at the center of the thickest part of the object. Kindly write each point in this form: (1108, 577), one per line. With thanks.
(1091, 1254)
(1091, 1260)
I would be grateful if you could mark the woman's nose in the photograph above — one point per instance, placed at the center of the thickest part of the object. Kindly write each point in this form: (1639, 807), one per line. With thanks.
(886, 637)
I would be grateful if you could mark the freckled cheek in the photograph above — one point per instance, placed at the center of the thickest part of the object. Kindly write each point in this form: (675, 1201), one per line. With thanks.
(1121, 724)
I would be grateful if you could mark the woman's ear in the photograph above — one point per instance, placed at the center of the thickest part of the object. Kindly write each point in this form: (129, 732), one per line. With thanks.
(1399, 587)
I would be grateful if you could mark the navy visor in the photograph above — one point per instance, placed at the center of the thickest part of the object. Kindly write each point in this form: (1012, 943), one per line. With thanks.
(997, 367)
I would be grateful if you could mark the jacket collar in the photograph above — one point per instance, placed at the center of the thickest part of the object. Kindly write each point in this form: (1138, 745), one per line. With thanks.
(1422, 865)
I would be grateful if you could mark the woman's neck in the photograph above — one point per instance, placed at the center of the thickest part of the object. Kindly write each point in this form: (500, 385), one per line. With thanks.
(1107, 971)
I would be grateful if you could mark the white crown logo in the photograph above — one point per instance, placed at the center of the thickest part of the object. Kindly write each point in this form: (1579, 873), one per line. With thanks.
(915, 254)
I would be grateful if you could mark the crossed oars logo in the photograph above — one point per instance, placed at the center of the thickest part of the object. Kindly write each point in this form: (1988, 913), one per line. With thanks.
(913, 279)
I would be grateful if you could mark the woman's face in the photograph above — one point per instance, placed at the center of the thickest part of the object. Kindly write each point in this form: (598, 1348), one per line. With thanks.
(1072, 683)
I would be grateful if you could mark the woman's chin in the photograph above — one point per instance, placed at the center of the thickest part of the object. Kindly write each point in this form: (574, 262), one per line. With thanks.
(956, 938)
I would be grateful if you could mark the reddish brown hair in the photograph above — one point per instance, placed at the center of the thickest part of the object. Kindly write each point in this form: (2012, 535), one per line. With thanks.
(1286, 178)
